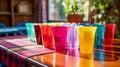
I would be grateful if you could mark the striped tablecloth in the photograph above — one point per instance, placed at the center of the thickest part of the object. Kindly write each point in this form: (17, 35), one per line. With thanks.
(15, 50)
(15, 41)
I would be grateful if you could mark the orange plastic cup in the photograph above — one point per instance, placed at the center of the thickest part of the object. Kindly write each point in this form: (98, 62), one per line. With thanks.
(47, 36)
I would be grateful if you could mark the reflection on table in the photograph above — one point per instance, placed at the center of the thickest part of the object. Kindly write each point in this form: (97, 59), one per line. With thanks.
(73, 58)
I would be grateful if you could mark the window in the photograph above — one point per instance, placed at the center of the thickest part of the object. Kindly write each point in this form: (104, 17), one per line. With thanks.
(56, 11)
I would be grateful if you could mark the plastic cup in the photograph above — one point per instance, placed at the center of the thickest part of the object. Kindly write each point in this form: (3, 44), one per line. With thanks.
(60, 37)
(38, 34)
(83, 24)
(31, 31)
(109, 36)
(47, 36)
(86, 38)
(72, 38)
(99, 36)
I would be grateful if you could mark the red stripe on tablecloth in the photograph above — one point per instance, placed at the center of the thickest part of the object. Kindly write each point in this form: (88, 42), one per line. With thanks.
(15, 42)
(33, 51)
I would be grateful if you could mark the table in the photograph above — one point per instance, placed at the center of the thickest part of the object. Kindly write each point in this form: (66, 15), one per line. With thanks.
(71, 58)
(29, 54)
(98, 59)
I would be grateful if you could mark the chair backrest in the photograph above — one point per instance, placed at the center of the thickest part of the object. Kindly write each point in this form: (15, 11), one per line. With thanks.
(22, 24)
(2, 25)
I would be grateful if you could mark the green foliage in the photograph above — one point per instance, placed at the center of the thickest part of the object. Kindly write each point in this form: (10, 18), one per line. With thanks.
(66, 4)
(73, 6)
(106, 11)
(76, 7)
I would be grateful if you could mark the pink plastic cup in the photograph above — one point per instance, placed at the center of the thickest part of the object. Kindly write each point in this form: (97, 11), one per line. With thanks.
(60, 37)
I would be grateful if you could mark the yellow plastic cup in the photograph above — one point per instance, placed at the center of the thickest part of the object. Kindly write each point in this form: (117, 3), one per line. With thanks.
(86, 37)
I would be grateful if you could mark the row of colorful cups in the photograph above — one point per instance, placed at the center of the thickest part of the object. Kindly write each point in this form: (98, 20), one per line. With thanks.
(59, 36)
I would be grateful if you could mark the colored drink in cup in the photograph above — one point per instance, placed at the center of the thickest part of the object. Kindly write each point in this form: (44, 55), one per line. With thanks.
(31, 31)
(60, 37)
(86, 38)
(38, 33)
(47, 36)
(109, 36)
(99, 36)
(72, 38)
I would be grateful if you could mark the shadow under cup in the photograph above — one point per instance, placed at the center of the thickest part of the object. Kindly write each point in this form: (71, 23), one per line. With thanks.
(86, 39)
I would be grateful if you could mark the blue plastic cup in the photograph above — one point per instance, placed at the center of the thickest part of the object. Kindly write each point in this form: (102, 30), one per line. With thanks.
(83, 24)
(99, 36)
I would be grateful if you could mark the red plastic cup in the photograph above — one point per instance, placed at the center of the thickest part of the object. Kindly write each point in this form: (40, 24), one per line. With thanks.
(47, 36)
(109, 36)
(38, 34)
